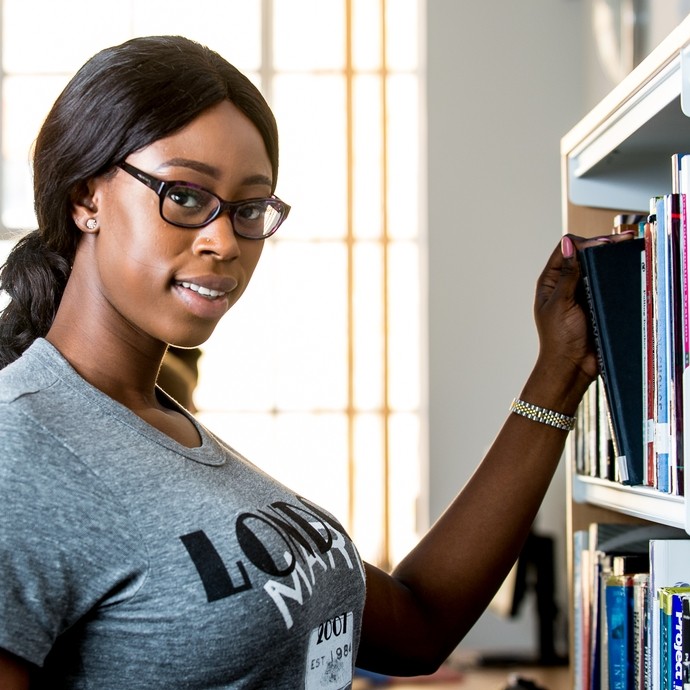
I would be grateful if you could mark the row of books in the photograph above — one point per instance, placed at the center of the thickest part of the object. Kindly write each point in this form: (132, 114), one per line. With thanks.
(637, 295)
(592, 444)
(631, 608)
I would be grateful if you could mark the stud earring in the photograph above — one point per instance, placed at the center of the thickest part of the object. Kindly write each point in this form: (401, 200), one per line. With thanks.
(91, 223)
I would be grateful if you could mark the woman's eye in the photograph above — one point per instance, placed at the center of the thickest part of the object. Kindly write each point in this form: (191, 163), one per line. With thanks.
(188, 197)
(251, 212)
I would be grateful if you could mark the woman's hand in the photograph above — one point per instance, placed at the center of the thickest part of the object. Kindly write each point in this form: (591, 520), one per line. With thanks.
(565, 341)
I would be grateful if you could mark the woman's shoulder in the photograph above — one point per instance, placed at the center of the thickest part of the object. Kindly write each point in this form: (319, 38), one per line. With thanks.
(29, 399)
(29, 374)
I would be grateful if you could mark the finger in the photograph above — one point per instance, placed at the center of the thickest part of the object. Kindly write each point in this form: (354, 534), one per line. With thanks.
(584, 242)
(561, 262)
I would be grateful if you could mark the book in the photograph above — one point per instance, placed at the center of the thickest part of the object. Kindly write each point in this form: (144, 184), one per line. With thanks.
(609, 545)
(669, 566)
(662, 428)
(592, 440)
(626, 222)
(649, 354)
(630, 563)
(640, 627)
(684, 190)
(599, 552)
(672, 206)
(606, 460)
(580, 662)
(676, 630)
(619, 617)
(676, 169)
(671, 635)
(611, 274)
(685, 646)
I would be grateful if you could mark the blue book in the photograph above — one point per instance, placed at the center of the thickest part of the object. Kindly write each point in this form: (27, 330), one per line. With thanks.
(669, 566)
(686, 641)
(676, 639)
(671, 628)
(619, 630)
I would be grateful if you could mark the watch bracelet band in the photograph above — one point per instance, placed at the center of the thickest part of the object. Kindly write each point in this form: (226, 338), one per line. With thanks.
(543, 415)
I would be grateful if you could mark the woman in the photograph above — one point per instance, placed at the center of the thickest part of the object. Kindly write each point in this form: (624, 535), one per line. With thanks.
(136, 550)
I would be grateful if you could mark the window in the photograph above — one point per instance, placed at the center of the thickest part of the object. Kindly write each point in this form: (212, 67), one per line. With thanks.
(316, 374)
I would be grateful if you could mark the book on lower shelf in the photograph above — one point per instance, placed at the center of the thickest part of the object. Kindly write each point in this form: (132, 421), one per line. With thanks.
(620, 572)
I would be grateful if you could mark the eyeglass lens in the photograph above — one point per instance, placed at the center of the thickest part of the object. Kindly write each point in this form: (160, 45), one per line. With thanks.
(185, 205)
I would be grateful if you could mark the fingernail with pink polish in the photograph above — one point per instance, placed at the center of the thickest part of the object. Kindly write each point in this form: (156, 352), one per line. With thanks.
(567, 247)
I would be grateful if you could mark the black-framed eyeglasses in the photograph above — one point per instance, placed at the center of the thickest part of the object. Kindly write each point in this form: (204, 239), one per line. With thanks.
(188, 205)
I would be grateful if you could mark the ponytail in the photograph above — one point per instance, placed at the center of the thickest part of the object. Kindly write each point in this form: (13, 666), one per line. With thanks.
(33, 278)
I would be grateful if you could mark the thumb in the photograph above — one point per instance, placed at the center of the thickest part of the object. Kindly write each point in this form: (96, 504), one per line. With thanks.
(570, 269)
(567, 248)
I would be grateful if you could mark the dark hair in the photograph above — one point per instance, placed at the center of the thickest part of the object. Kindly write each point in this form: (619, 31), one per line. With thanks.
(123, 99)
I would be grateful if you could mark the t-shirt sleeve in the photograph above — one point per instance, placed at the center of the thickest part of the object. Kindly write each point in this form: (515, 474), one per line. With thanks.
(66, 544)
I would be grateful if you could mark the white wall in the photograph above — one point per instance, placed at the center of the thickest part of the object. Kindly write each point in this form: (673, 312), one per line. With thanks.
(504, 84)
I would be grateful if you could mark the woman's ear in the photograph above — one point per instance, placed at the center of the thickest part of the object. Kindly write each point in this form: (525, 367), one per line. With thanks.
(84, 207)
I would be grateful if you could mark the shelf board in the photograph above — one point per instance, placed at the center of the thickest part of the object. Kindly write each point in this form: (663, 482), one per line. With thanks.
(638, 501)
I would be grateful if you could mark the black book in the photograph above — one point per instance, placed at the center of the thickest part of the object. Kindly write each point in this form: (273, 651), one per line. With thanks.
(612, 278)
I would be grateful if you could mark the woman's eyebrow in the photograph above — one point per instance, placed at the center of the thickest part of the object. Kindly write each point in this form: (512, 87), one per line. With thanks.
(198, 166)
(257, 179)
(211, 170)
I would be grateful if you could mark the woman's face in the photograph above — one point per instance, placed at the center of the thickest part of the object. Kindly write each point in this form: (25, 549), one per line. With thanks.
(171, 283)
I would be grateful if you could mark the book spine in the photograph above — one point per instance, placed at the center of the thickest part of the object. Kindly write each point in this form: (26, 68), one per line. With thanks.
(676, 641)
(664, 628)
(650, 372)
(617, 633)
(645, 362)
(675, 342)
(604, 434)
(597, 403)
(580, 610)
(586, 558)
(591, 459)
(685, 291)
(684, 190)
(640, 618)
(662, 440)
(685, 645)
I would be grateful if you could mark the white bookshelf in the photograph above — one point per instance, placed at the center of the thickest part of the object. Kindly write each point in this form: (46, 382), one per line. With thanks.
(618, 156)
(614, 160)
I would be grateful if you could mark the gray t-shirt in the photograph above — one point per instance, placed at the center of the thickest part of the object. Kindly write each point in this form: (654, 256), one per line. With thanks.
(128, 560)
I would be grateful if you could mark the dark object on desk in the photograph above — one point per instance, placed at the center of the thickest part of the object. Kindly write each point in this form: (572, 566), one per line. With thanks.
(534, 570)
(517, 682)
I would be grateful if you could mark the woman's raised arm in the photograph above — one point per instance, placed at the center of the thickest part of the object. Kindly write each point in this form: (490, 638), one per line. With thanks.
(414, 618)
